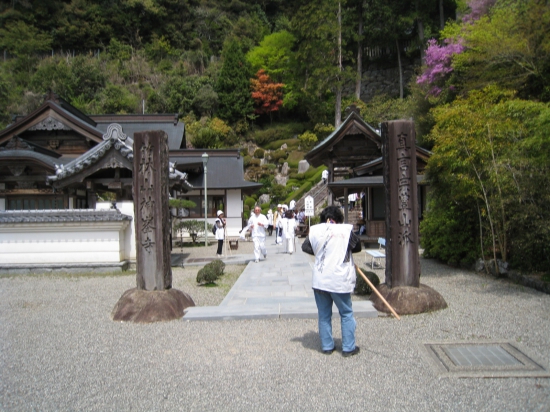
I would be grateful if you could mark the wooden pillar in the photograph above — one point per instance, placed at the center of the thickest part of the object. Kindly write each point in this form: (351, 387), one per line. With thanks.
(402, 259)
(151, 211)
(346, 205)
(330, 179)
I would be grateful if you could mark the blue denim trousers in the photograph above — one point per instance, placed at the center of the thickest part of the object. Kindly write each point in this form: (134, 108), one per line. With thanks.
(324, 302)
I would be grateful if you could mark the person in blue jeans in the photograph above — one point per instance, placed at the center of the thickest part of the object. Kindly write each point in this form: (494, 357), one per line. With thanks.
(332, 243)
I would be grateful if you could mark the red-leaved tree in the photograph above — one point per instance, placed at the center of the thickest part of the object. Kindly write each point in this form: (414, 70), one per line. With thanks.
(268, 96)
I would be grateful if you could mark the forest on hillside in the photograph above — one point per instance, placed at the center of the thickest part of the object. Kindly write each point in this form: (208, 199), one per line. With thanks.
(167, 55)
(266, 72)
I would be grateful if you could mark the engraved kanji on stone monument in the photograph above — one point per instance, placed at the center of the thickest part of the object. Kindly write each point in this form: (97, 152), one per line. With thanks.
(151, 206)
(402, 260)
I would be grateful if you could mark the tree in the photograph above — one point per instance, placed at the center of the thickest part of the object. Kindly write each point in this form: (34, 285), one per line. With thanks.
(487, 162)
(272, 55)
(508, 47)
(268, 96)
(234, 84)
(206, 100)
(317, 62)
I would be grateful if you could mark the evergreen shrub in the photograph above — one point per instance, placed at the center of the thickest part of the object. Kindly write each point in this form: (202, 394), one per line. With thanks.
(211, 272)
(362, 287)
(250, 202)
(278, 154)
(259, 153)
(297, 194)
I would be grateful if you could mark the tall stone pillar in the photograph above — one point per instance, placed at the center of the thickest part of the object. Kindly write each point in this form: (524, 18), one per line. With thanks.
(152, 221)
(402, 288)
(402, 260)
(153, 299)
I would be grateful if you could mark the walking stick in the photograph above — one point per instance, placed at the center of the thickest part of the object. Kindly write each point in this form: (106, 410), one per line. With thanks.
(378, 293)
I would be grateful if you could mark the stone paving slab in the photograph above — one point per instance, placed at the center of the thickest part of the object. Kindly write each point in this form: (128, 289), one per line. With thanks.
(276, 287)
(272, 308)
(231, 312)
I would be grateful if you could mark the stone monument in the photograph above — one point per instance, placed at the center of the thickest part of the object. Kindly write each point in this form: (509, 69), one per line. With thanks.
(153, 299)
(402, 288)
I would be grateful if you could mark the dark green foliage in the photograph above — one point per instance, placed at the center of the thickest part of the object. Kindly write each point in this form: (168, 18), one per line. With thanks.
(362, 287)
(250, 202)
(233, 85)
(278, 154)
(206, 100)
(193, 227)
(204, 138)
(118, 100)
(255, 162)
(275, 135)
(211, 272)
(279, 193)
(80, 77)
(259, 153)
(450, 233)
(297, 194)
(181, 203)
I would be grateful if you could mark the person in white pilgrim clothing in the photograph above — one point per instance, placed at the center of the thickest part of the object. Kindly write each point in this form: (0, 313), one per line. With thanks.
(257, 224)
(332, 243)
(269, 222)
(220, 232)
(289, 231)
(292, 204)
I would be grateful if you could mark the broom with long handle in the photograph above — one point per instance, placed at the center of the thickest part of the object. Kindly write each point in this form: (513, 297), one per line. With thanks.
(378, 293)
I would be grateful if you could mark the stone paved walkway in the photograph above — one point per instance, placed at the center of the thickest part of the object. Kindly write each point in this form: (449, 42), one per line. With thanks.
(276, 287)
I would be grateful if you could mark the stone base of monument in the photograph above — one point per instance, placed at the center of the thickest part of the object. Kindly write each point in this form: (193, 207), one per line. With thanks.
(408, 300)
(143, 306)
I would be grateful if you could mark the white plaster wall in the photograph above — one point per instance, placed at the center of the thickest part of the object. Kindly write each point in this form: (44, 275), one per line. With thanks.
(128, 238)
(49, 243)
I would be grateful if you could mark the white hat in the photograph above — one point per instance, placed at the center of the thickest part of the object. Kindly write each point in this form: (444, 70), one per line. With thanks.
(279, 205)
(220, 212)
(285, 207)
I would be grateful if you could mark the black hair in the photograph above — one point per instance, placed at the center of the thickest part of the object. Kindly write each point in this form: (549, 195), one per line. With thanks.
(289, 214)
(332, 212)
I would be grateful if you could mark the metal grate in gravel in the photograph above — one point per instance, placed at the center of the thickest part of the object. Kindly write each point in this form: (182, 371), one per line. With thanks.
(482, 360)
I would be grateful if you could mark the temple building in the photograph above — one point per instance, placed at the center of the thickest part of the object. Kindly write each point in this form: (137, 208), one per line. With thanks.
(66, 186)
(353, 156)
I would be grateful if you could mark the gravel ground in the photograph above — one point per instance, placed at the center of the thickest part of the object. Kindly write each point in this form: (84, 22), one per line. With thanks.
(59, 350)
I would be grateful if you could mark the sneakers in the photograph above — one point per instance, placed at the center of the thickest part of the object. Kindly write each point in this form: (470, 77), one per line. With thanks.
(351, 353)
(256, 261)
(265, 256)
(219, 256)
(328, 352)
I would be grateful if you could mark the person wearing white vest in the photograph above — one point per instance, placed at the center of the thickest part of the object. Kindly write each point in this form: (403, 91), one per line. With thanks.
(220, 232)
(332, 243)
(257, 224)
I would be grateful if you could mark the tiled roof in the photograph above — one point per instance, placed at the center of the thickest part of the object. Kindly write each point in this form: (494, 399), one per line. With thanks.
(225, 171)
(112, 138)
(62, 215)
(29, 154)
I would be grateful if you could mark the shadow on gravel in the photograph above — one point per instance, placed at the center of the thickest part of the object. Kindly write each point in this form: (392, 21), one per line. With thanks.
(311, 340)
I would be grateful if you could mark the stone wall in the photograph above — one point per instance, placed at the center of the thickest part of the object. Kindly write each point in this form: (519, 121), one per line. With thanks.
(379, 79)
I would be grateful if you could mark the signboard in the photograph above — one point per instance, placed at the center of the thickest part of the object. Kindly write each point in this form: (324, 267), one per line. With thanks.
(309, 206)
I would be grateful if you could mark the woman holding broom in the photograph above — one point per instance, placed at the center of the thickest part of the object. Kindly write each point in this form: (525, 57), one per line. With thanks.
(332, 243)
